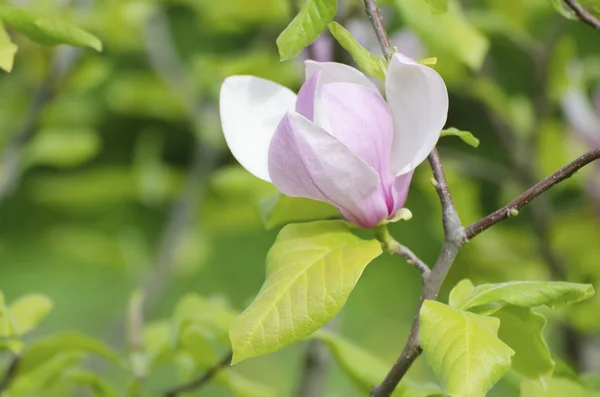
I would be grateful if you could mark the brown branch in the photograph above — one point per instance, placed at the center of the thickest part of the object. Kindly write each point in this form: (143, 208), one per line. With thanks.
(11, 372)
(377, 22)
(203, 380)
(536, 190)
(583, 15)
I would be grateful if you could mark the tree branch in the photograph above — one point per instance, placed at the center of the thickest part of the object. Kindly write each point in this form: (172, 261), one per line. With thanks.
(377, 22)
(202, 380)
(513, 207)
(11, 372)
(583, 14)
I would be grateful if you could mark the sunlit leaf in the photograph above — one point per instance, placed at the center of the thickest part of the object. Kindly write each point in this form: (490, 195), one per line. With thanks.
(522, 330)
(369, 63)
(46, 29)
(311, 270)
(466, 136)
(306, 27)
(27, 312)
(489, 298)
(280, 209)
(7, 50)
(461, 291)
(62, 147)
(463, 349)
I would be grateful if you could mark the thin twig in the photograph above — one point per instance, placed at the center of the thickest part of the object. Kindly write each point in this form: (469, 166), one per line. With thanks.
(377, 22)
(392, 246)
(202, 380)
(513, 207)
(583, 14)
(11, 372)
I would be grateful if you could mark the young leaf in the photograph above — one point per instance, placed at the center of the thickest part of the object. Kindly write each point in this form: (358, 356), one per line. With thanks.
(369, 63)
(558, 387)
(7, 50)
(27, 312)
(522, 330)
(305, 27)
(489, 298)
(460, 292)
(466, 136)
(463, 349)
(46, 29)
(280, 209)
(367, 370)
(69, 342)
(311, 270)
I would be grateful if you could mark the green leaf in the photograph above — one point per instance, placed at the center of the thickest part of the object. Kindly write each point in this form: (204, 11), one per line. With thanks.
(7, 50)
(46, 29)
(562, 9)
(366, 370)
(62, 147)
(69, 342)
(311, 270)
(28, 311)
(558, 387)
(92, 381)
(438, 6)
(461, 292)
(280, 209)
(461, 42)
(45, 375)
(489, 298)
(306, 27)
(522, 330)
(463, 349)
(369, 63)
(466, 136)
(242, 386)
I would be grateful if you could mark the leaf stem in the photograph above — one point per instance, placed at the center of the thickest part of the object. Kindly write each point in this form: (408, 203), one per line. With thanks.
(11, 372)
(583, 15)
(202, 380)
(389, 244)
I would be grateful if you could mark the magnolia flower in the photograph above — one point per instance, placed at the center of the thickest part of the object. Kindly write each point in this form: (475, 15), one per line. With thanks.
(338, 140)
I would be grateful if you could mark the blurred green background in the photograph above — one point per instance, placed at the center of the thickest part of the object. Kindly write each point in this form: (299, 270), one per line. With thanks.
(115, 176)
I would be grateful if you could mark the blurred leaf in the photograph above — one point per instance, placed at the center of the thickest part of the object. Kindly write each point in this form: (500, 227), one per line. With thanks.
(7, 50)
(62, 147)
(563, 9)
(560, 66)
(466, 136)
(92, 381)
(311, 270)
(489, 298)
(367, 62)
(366, 370)
(28, 311)
(47, 349)
(461, 40)
(157, 343)
(244, 387)
(280, 209)
(47, 30)
(197, 342)
(239, 15)
(44, 375)
(557, 387)
(313, 18)
(522, 330)
(463, 349)
(438, 6)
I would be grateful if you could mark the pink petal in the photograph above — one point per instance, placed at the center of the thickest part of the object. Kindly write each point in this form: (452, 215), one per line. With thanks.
(305, 104)
(361, 119)
(306, 161)
(418, 98)
(400, 190)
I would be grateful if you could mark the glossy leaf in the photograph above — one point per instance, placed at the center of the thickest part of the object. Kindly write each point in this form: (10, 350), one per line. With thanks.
(366, 61)
(306, 27)
(311, 270)
(463, 349)
(489, 298)
(46, 29)
(366, 370)
(466, 136)
(523, 330)
(7, 50)
(280, 209)
(461, 42)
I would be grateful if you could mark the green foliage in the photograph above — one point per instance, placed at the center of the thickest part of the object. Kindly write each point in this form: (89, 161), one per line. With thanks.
(26, 313)
(7, 50)
(463, 349)
(280, 209)
(311, 270)
(563, 9)
(367, 62)
(522, 329)
(556, 388)
(313, 18)
(438, 6)
(62, 147)
(92, 381)
(466, 136)
(47, 30)
(489, 298)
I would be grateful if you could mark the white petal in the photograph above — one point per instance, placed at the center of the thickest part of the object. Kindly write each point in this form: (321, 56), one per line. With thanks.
(251, 108)
(418, 98)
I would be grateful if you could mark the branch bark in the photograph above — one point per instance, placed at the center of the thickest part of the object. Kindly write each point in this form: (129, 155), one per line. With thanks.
(536, 190)
(202, 380)
(583, 15)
